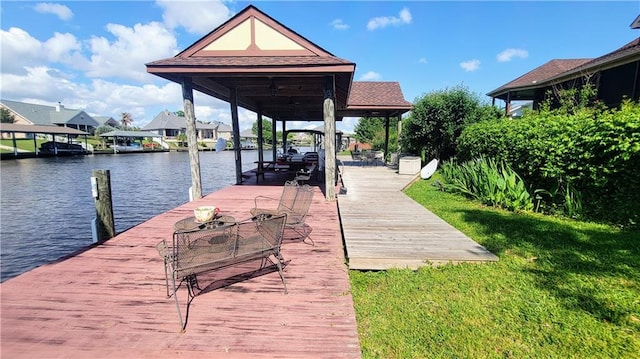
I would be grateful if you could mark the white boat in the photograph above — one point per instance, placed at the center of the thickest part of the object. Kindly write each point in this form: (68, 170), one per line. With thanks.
(128, 148)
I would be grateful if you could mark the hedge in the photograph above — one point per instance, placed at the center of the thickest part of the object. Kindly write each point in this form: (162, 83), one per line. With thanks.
(597, 152)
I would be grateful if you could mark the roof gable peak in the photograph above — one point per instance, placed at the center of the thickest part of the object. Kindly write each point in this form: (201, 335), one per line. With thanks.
(253, 33)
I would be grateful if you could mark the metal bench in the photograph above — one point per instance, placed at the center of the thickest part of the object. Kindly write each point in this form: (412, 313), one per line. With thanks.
(198, 251)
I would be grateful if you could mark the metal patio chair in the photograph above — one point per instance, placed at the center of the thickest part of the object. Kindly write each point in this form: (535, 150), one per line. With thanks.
(295, 202)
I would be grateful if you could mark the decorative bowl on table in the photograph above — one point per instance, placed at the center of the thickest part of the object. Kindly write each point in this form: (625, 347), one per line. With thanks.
(205, 214)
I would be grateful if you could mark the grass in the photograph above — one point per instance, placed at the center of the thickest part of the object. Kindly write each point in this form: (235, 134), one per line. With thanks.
(561, 289)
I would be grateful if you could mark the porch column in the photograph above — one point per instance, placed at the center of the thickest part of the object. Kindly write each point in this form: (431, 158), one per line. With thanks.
(260, 154)
(274, 140)
(237, 148)
(386, 137)
(399, 137)
(284, 137)
(192, 142)
(329, 114)
(507, 106)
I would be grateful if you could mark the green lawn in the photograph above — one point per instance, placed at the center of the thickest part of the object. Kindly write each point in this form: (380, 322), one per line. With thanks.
(561, 289)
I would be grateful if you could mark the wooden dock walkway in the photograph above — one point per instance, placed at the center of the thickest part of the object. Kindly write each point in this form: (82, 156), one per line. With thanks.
(383, 228)
(110, 301)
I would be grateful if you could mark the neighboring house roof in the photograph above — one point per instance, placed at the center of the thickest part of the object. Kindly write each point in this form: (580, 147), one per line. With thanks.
(248, 133)
(540, 75)
(636, 23)
(106, 121)
(625, 54)
(138, 134)
(49, 115)
(223, 127)
(559, 70)
(167, 120)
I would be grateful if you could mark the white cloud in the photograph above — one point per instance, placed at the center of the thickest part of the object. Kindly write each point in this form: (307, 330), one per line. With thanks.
(370, 76)
(61, 11)
(20, 50)
(338, 24)
(422, 60)
(197, 17)
(404, 17)
(471, 65)
(133, 47)
(509, 54)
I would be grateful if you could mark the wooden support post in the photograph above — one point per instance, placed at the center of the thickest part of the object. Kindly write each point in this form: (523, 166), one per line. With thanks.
(386, 138)
(399, 136)
(192, 141)
(260, 139)
(101, 190)
(235, 122)
(329, 112)
(274, 140)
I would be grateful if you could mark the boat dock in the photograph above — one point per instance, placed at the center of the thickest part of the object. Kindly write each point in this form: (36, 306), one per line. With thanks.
(110, 300)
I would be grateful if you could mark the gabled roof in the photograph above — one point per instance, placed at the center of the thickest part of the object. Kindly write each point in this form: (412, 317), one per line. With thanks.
(561, 70)
(370, 98)
(636, 23)
(272, 69)
(540, 74)
(625, 54)
(49, 115)
(248, 133)
(167, 120)
(105, 120)
(223, 127)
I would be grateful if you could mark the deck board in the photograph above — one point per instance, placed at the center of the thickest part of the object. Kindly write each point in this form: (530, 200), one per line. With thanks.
(383, 228)
(109, 301)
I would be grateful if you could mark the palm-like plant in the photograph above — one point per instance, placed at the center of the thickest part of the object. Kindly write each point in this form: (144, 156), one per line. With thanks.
(126, 119)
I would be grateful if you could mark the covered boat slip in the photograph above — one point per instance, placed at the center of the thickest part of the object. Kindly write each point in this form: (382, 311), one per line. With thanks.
(56, 133)
(254, 62)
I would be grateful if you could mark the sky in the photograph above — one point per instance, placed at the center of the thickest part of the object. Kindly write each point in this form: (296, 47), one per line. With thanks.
(91, 55)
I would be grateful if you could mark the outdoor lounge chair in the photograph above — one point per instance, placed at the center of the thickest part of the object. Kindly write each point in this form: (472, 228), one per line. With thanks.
(294, 202)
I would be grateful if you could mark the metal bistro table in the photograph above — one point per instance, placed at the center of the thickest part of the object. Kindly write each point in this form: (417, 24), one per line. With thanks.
(190, 224)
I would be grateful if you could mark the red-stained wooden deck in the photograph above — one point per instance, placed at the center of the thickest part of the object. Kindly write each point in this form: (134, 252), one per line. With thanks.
(109, 301)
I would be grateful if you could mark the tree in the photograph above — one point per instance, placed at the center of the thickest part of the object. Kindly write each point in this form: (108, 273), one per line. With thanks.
(438, 118)
(126, 119)
(180, 113)
(7, 117)
(372, 130)
(266, 130)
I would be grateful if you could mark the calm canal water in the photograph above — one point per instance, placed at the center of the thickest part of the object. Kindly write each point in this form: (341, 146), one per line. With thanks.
(46, 205)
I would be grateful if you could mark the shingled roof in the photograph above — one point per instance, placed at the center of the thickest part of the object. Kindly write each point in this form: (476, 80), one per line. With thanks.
(274, 71)
(559, 70)
(369, 98)
(540, 75)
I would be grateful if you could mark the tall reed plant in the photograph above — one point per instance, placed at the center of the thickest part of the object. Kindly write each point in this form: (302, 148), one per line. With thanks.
(493, 183)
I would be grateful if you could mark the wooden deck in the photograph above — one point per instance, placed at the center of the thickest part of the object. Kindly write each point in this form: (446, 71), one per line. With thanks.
(383, 228)
(110, 301)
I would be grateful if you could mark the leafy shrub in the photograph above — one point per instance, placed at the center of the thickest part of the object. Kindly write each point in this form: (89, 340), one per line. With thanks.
(593, 153)
(437, 120)
(492, 182)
